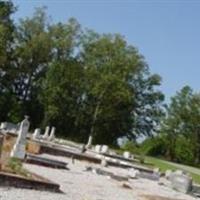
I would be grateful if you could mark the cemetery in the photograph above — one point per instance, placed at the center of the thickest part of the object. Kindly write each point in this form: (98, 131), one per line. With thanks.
(48, 167)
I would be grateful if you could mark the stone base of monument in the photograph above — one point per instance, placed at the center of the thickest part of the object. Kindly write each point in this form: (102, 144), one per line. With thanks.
(38, 183)
(38, 160)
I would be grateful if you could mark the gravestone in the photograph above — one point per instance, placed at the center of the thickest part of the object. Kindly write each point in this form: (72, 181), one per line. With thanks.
(181, 182)
(98, 148)
(127, 155)
(46, 133)
(18, 150)
(104, 149)
(36, 134)
(52, 134)
(89, 144)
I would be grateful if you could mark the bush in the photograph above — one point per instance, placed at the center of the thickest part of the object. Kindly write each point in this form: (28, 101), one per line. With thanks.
(154, 146)
(132, 147)
(184, 151)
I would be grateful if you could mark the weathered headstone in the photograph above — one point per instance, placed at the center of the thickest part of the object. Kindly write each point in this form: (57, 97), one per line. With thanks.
(89, 144)
(36, 134)
(98, 148)
(104, 149)
(52, 134)
(46, 133)
(181, 183)
(168, 173)
(104, 162)
(127, 155)
(18, 150)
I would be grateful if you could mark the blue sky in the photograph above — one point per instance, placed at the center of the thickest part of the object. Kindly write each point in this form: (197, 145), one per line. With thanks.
(167, 33)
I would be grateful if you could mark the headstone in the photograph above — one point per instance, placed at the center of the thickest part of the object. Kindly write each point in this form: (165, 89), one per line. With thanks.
(46, 133)
(179, 172)
(36, 134)
(104, 162)
(98, 148)
(168, 173)
(18, 150)
(9, 127)
(181, 183)
(52, 134)
(127, 155)
(89, 144)
(104, 149)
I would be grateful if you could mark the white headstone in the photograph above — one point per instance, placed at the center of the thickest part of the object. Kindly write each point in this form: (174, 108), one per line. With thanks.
(127, 155)
(89, 144)
(46, 133)
(52, 134)
(19, 150)
(168, 173)
(98, 148)
(181, 183)
(36, 134)
(104, 149)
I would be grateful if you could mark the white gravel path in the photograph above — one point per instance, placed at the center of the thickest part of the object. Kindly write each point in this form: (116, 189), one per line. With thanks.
(78, 184)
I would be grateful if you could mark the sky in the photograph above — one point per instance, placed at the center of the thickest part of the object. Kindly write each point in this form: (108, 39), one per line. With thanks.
(166, 32)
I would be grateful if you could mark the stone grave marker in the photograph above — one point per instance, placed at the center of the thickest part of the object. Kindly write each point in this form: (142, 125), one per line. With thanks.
(18, 150)
(36, 134)
(52, 134)
(46, 133)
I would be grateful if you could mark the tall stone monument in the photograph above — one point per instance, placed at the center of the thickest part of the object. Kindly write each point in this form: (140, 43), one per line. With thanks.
(19, 149)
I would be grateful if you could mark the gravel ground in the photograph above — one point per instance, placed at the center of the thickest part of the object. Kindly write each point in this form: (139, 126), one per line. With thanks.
(78, 184)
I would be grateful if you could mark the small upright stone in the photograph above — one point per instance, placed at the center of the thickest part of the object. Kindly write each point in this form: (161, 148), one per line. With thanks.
(105, 149)
(98, 148)
(52, 134)
(36, 134)
(18, 150)
(89, 144)
(46, 133)
(127, 155)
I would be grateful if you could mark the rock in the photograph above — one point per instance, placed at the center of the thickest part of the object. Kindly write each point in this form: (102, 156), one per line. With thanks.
(126, 185)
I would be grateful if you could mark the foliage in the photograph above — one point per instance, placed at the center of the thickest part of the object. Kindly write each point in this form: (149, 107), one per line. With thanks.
(82, 82)
(155, 146)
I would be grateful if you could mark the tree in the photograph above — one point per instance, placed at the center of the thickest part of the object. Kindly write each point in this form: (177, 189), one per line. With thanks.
(33, 53)
(119, 88)
(182, 123)
(7, 70)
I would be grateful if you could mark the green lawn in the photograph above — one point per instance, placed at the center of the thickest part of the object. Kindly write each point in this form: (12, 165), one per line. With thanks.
(164, 166)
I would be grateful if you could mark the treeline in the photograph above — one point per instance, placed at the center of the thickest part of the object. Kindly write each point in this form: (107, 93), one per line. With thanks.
(82, 82)
(179, 136)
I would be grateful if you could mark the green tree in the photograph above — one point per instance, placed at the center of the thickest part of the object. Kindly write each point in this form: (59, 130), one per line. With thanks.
(183, 116)
(7, 69)
(33, 53)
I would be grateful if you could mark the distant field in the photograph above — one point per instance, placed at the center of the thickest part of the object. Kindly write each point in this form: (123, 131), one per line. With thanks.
(164, 165)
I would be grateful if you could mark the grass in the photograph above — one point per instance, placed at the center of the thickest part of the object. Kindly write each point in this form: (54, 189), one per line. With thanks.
(164, 166)
(14, 165)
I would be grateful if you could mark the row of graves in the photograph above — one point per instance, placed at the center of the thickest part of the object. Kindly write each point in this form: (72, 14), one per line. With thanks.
(19, 145)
